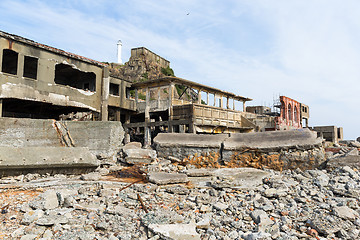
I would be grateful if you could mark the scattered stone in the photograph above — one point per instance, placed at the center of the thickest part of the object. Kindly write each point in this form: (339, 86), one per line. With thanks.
(175, 231)
(93, 176)
(346, 213)
(162, 178)
(200, 172)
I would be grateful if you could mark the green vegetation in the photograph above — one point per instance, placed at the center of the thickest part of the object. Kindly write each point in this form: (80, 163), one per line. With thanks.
(142, 96)
(168, 71)
(144, 77)
(180, 89)
(165, 91)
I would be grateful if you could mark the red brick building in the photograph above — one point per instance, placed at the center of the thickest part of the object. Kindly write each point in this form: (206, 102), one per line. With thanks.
(290, 116)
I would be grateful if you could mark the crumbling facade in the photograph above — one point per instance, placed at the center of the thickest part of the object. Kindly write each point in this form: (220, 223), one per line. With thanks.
(291, 114)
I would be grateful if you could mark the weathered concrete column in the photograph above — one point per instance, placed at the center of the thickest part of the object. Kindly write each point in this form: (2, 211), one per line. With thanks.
(105, 94)
(199, 97)
(118, 115)
(147, 133)
(127, 133)
(182, 128)
(227, 103)
(170, 108)
(233, 104)
(158, 98)
(207, 99)
(214, 99)
(221, 102)
(136, 96)
(20, 68)
(1, 107)
(244, 108)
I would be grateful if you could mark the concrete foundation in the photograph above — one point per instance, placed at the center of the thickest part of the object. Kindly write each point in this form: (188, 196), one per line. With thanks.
(101, 138)
(276, 150)
(194, 148)
(22, 160)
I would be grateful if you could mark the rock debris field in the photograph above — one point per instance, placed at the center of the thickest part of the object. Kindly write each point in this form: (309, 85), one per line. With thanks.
(165, 200)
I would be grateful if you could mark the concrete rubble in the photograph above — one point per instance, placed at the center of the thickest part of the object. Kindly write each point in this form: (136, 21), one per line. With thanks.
(182, 202)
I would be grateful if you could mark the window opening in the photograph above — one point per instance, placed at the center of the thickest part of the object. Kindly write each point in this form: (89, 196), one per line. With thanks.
(114, 89)
(10, 61)
(30, 67)
(289, 112)
(68, 76)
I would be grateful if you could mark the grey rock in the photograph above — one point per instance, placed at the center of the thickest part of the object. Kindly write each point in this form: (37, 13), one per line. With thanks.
(31, 216)
(132, 145)
(139, 155)
(93, 176)
(29, 237)
(346, 213)
(162, 178)
(200, 172)
(261, 218)
(46, 200)
(220, 206)
(175, 231)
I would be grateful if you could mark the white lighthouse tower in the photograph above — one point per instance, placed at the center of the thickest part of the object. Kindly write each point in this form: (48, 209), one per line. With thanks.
(119, 46)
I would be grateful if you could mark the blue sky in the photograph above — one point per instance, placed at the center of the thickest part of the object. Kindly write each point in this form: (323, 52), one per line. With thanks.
(306, 50)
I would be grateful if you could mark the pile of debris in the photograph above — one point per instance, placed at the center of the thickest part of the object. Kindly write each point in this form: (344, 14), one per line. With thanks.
(344, 153)
(167, 199)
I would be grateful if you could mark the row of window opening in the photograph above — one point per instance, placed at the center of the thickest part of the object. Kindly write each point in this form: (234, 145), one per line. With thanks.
(64, 74)
(10, 64)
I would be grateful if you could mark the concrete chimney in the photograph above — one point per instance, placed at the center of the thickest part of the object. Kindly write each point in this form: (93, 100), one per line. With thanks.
(119, 46)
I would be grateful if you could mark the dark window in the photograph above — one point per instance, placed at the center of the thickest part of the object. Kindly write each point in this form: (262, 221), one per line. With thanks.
(114, 89)
(295, 114)
(68, 76)
(30, 67)
(10, 61)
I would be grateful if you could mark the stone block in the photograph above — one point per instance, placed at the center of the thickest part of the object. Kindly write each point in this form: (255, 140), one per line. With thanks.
(162, 178)
(175, 231)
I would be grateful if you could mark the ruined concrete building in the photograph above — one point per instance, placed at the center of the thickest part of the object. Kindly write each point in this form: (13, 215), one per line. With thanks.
(38, 81)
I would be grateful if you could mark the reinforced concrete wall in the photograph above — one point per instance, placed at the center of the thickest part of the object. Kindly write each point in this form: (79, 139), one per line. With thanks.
(276, 150)
(196, 149)
(101, 138)
(69, 160)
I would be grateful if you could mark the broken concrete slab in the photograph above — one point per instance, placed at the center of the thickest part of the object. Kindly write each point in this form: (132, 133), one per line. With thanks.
(235, 178)
(350, 160)
(190, 147)
(101, 138)
(189, 140)
(132, 145)
(19, 160)
(239, 178)
(175, 231)
(139, 155)
(272, 141)
(276, 150)
(199, 172)
(162, 178)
